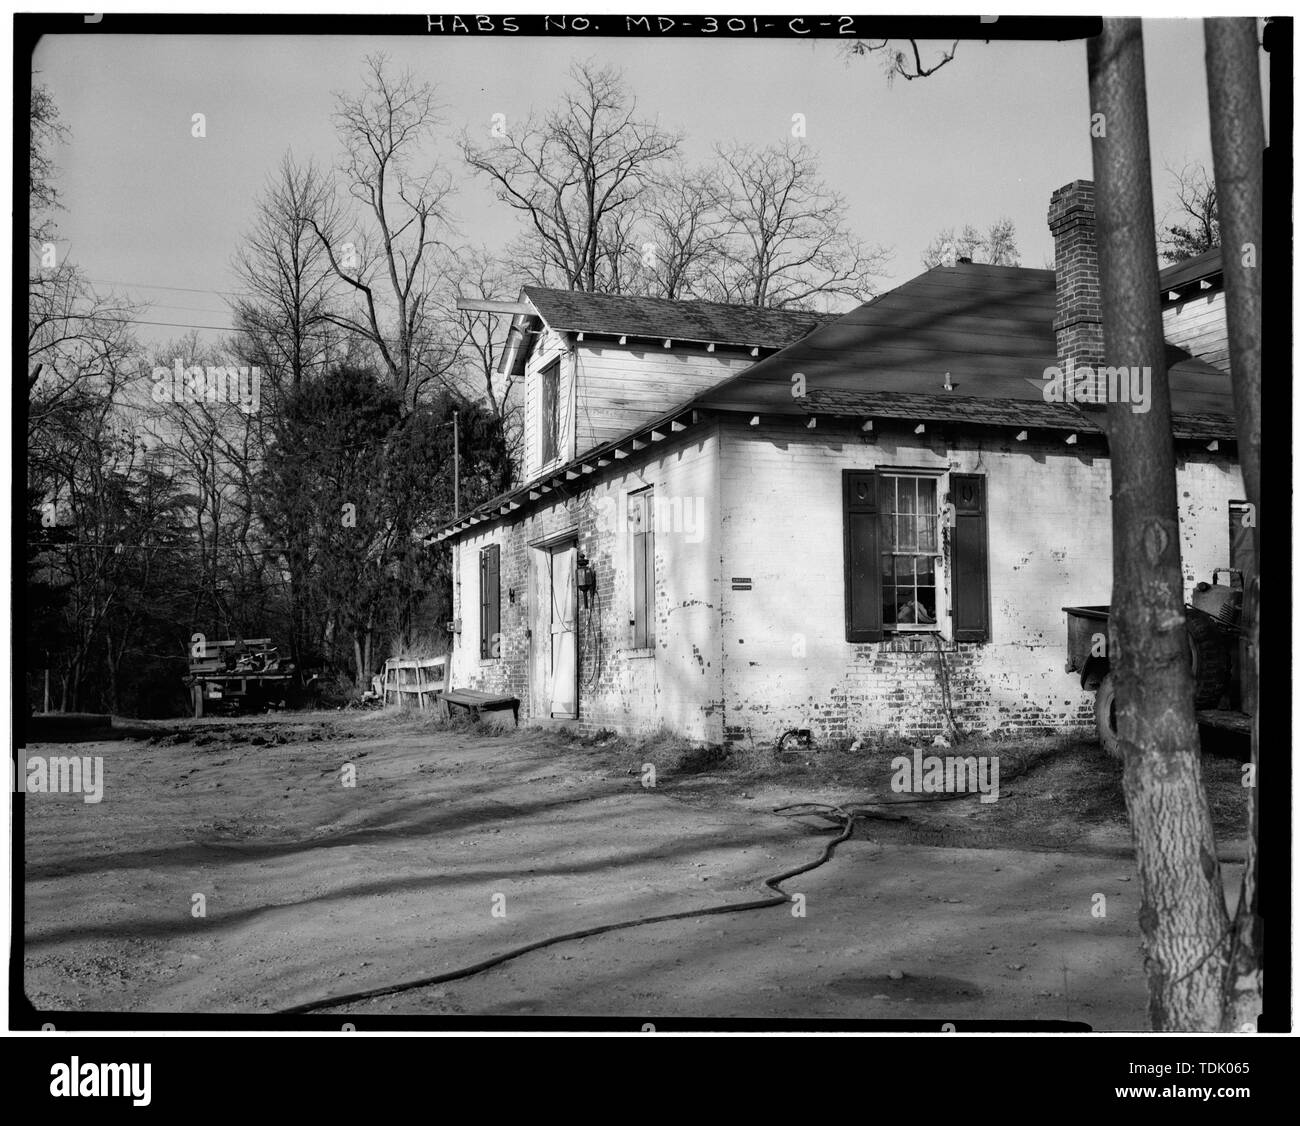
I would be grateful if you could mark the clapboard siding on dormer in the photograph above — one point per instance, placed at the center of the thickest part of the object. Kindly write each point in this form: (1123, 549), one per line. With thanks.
(620, 387)
(550, 346)
(1199, 325)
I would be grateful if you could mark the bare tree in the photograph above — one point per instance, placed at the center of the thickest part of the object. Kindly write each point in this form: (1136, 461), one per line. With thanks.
(479, 338)
(391, 266)
(1194, 227)
(290, 286)
(899, 61)
(684, 232)
(573, 174)
(80, 464)
(78, 342)
(212, 450)
(788, 243)
(46, 129)
(76, 338)
(994, 246)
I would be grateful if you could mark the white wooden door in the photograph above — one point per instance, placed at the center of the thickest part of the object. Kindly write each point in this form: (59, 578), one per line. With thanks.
(564, 633)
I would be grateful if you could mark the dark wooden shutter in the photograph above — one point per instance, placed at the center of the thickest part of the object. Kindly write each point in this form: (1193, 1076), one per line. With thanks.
(1241, 542)
(489, 596)
(862, 615)
(642, 574)
(550, 411)
(970, 558)
(648, 568)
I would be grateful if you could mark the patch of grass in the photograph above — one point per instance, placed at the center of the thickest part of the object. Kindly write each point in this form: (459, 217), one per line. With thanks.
(249, 734)
(703, 759)
(669, 753)
(334, 690)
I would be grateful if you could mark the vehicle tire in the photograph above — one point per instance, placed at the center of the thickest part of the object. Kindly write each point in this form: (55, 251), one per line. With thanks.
(1107, 730)
(1211, 668)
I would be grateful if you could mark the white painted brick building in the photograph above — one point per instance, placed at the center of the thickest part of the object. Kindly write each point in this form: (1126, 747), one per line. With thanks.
(736, 522)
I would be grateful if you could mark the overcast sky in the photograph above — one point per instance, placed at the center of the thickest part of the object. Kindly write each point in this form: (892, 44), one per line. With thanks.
(991, 134)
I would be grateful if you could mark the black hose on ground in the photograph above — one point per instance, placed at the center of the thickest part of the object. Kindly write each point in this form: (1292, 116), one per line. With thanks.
(833, 813)
(771, 883)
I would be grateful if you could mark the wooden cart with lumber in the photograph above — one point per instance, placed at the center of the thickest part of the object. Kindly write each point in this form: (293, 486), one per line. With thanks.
(244, 674)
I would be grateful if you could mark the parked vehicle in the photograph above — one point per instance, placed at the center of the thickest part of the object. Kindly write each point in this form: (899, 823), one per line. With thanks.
(1214, 638)
(244, 675)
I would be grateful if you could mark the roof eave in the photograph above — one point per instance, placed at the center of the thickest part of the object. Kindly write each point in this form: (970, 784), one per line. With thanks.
(577, 469)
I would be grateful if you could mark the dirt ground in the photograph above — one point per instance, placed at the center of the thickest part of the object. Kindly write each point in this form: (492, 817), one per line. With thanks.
(457, 843)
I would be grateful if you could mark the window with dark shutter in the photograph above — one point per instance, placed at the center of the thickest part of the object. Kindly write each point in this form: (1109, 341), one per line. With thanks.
(892, 548)
(862, 559)
(970, 558)
(489, 602)
(550, 412)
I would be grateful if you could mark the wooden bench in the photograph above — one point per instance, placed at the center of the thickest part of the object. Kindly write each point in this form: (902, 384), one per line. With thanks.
(474, 702)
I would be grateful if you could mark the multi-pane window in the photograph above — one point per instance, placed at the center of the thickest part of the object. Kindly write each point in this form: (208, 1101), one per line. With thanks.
(892, 545)
(550, 412)
(909, 542)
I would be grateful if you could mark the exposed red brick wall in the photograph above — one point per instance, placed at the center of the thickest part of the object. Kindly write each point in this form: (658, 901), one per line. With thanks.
(1072, 219)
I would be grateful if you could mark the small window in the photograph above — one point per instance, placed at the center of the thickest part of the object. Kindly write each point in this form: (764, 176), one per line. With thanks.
(489, 602)
(640, 516)
(550, 412)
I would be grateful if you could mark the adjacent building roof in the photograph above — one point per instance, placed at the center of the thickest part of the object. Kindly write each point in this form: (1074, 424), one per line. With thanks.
(1201, 268)
(659, 318)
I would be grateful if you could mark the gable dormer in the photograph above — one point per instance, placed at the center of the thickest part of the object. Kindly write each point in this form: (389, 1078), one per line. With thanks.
(595, 365)
(549, 401)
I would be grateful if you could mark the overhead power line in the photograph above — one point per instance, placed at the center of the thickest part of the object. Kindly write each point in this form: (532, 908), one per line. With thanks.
(175, 288)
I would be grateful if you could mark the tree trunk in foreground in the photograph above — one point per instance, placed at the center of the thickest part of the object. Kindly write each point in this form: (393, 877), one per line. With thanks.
(1237, 137)
(1183, 917)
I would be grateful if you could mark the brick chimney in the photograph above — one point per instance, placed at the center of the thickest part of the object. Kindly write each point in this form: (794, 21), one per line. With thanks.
(1072, 219)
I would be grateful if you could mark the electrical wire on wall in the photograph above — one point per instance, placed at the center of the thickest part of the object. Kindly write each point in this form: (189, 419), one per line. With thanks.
(946, 688)
(598, 652)
(593, 628)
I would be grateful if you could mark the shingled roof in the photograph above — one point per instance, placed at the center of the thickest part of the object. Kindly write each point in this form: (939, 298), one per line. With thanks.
(984, 331)
(1203, 266)
(700, 322)
(1036, 415)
